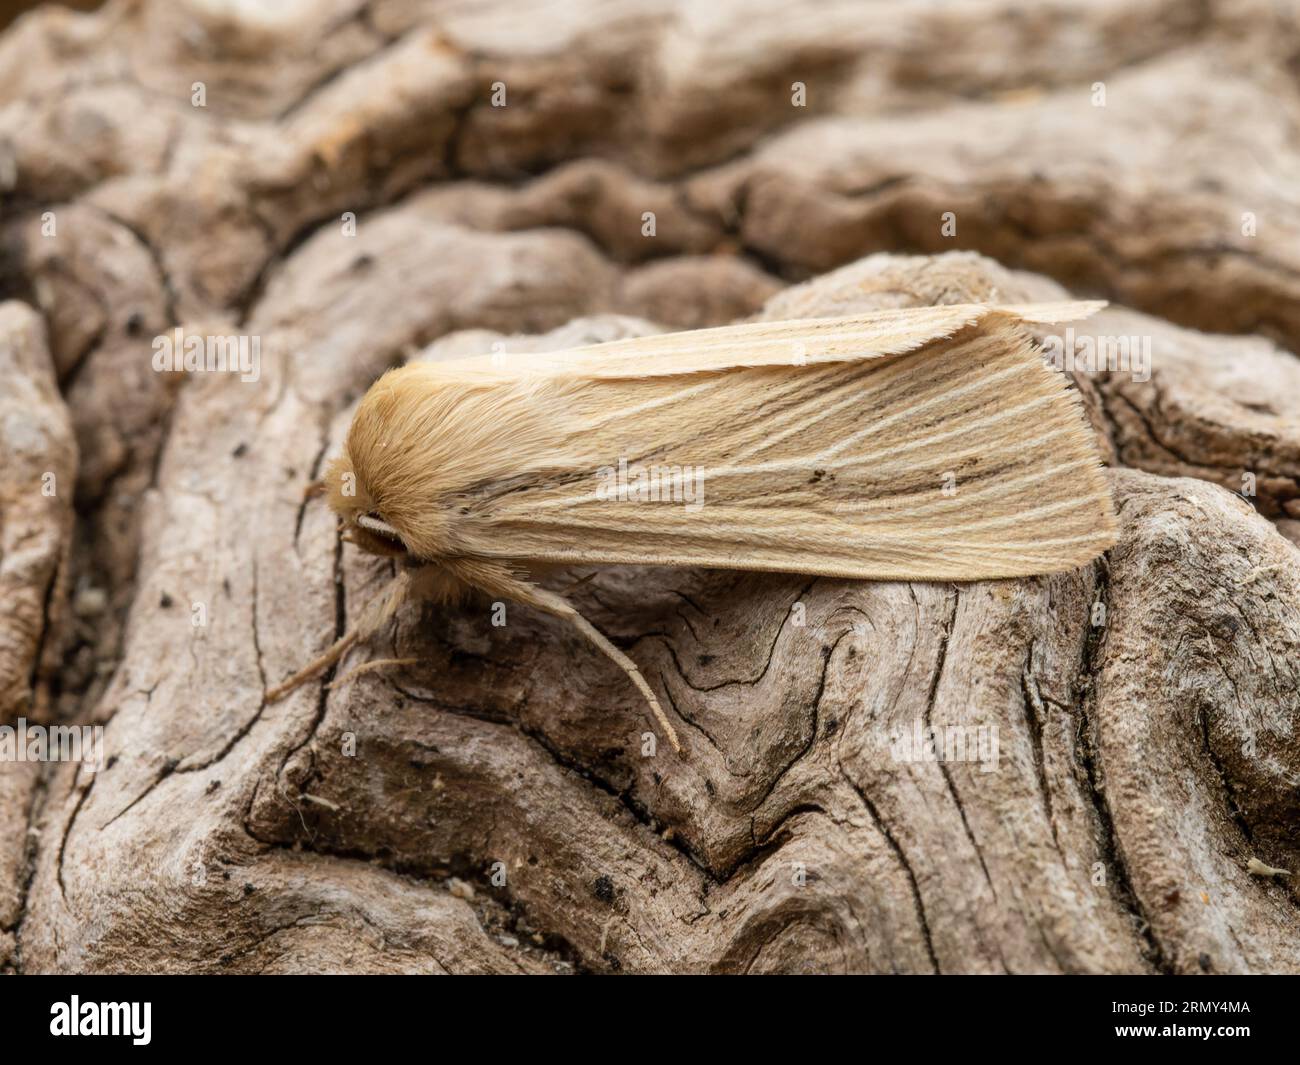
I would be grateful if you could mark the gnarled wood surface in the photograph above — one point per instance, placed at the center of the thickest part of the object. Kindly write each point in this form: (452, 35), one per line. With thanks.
(491, 809)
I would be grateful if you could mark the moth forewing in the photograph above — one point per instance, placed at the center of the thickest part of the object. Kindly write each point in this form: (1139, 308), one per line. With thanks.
(962, 458)
(918, 444)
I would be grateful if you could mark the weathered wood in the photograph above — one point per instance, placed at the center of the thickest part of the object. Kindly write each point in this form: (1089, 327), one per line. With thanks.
(491, 810)
(37, 480)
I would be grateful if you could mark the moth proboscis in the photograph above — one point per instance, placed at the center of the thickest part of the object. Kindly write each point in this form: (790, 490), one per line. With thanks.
(915, 444)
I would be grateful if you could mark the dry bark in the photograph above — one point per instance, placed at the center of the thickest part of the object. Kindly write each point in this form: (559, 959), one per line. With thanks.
(36, 518)
(490, 810)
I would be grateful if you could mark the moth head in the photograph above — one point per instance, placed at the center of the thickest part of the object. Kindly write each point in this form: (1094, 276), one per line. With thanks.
(363, 521)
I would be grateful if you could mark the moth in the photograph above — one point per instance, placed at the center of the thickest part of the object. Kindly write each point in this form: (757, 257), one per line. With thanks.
(914, 444)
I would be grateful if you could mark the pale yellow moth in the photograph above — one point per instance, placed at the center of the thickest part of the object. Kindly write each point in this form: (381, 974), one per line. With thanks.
(919, 444)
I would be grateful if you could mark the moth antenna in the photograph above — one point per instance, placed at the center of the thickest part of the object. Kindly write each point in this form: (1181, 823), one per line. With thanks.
(313, 489)
(561, 607)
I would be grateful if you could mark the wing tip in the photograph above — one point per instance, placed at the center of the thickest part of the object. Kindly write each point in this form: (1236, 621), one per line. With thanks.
(1052, 312)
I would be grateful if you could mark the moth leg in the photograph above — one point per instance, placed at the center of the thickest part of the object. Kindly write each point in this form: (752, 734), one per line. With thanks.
(372, 666)
(497, 579)
(377, 611)
(313, 668)
(561, 607)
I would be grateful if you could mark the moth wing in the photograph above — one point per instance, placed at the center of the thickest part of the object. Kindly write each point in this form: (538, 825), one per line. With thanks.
(800, 342)
(909, 445)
